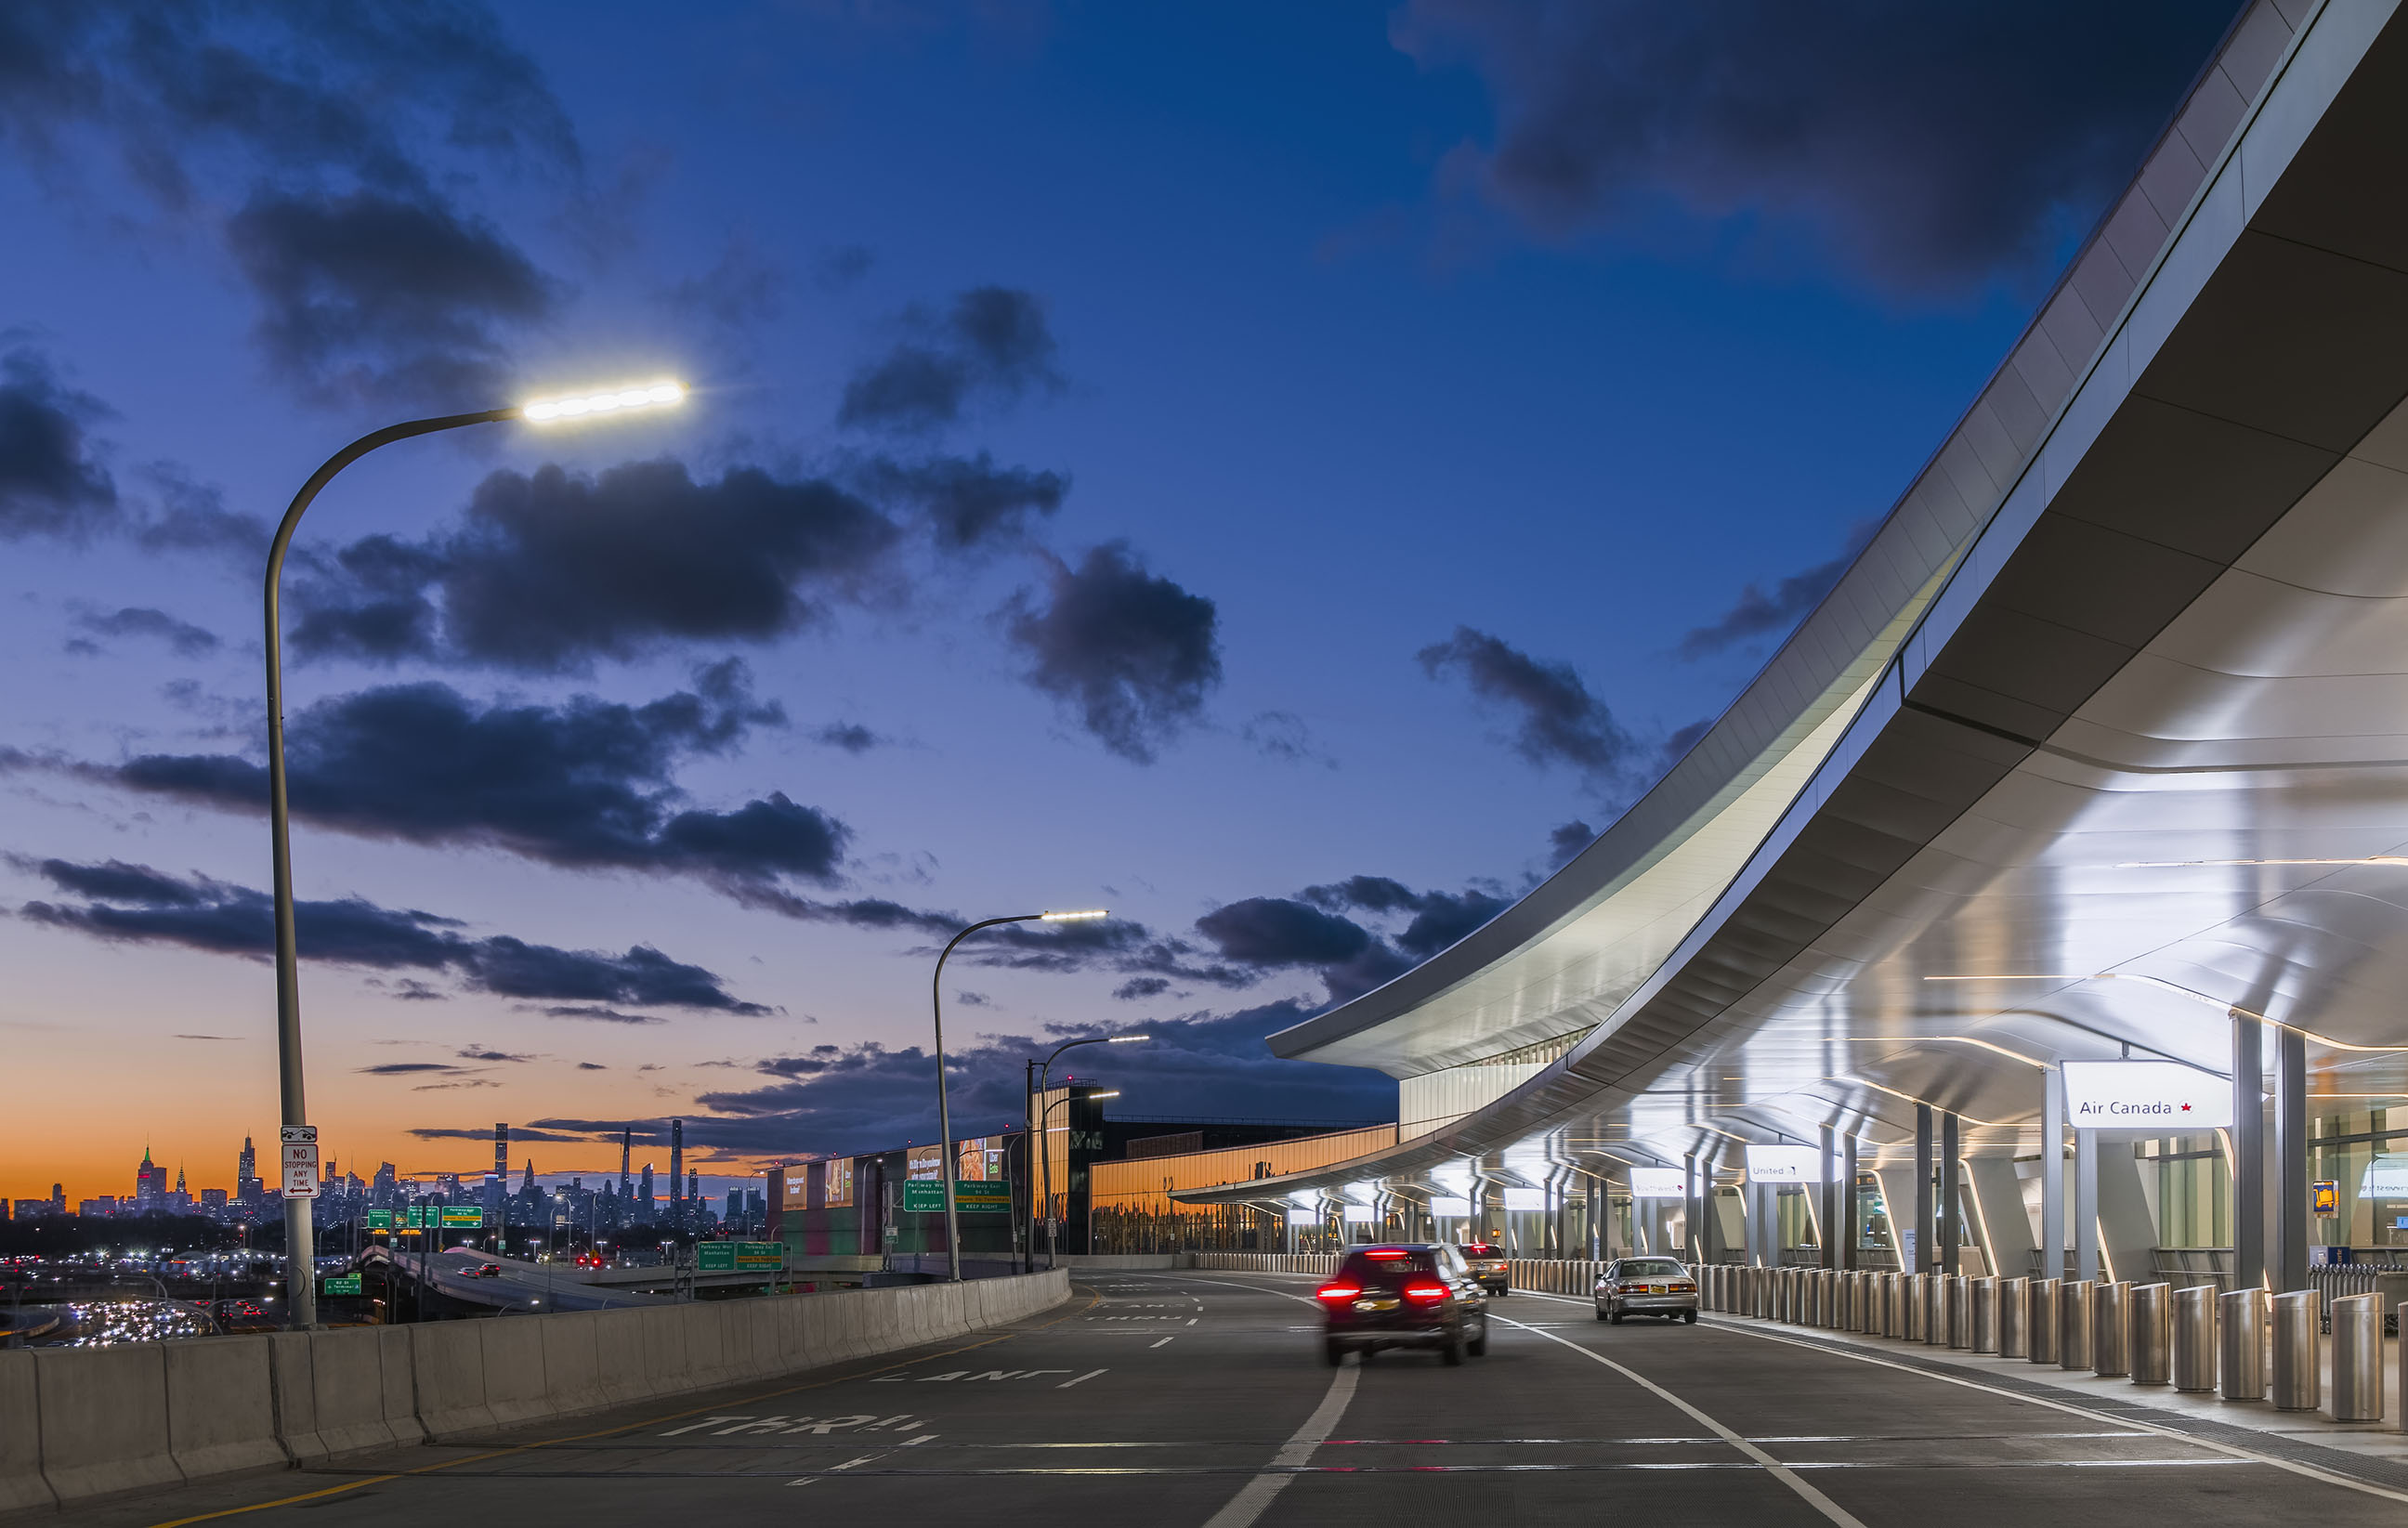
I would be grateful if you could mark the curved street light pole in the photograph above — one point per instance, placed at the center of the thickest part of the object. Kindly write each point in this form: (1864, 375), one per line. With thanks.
(300, 1241)
(1038, 1137)
(944, 1109)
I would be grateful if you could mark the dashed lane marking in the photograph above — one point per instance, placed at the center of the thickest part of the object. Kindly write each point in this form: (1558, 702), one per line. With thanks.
(1159, 1344)
(1082, 1379)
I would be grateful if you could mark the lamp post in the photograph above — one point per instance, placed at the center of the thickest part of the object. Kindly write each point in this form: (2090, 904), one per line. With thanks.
(300, 1242)
(1040, 1071)
(944, 1110)
(1043, 1115)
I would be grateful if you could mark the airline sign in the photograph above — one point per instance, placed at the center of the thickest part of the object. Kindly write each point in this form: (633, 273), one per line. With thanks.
(2161, 1095)
(2386, 1177)
(1658, 1184)
(1784, 1164)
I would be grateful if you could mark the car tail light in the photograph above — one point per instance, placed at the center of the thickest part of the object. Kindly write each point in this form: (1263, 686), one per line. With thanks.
(1337, 1292)
(1424, 1294)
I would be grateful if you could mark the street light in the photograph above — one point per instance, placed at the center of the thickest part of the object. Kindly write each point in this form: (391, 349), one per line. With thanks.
(1039, 1073)
(944, 1110)
(1043, 1132)
(300, 1268)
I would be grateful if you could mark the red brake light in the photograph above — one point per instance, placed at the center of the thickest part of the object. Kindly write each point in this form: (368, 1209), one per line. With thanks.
(1385, 1252)
(1426, 1294)
(1337, 1292)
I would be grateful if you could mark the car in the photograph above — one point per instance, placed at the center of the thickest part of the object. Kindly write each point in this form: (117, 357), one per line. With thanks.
(1403, 1295)
(1487, 1260)
(486, 1270)
(1646, 1286)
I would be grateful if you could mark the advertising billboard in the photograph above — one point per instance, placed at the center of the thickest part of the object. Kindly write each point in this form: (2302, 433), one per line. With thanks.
(836, 1192)
(924, 1164)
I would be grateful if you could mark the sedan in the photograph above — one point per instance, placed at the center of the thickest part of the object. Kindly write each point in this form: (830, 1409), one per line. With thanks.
(1646, 1286)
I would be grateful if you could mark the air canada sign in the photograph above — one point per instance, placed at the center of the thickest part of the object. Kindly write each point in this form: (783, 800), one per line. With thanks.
(2160, 1095)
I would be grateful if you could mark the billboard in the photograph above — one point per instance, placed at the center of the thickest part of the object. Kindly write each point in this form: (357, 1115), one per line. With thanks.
(836, 1186)
(980, 1159)
(924, 1164)
(796, 1194)
(2164, 1095)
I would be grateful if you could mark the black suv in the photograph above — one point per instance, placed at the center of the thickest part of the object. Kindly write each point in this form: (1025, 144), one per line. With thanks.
(1410, 1295)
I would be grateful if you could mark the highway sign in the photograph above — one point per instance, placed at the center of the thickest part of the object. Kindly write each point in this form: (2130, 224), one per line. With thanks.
(968, 1198)
(343, 1284)
(739, 1256)
(458, 1219)
(380, 1219)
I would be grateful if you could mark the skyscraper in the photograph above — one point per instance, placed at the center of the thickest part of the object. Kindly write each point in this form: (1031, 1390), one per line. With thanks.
(247, 1186)
(149, 1179)
(626, 1145)
(677, 1172)
(644, 1197)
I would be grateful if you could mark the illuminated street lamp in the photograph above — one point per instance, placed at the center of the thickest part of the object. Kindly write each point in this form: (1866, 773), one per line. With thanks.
(944, 1109)
(300, 1244)
(1038, 1074)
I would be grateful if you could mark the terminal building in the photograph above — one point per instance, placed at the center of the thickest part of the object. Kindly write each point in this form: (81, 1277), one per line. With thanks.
(2043, 903)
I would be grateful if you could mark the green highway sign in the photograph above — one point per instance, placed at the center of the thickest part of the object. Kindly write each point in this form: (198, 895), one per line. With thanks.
(739, 1256)
(380, 1219)
(457, 1218)
(343, 1284)
(924, 1198)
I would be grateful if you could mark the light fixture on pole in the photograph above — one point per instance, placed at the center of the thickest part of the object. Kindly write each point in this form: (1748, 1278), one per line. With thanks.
(1038, 1139)
(300, 1240)
(944, 1109)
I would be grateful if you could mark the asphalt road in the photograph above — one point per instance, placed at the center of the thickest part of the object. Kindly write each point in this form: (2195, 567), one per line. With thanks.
(1187, 1399)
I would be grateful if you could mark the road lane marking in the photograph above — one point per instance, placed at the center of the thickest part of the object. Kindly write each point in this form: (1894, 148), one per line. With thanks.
(1257, 1494)
(1778, 1470)
(2235, 1451)
(1159, 1344)
(613, 1432)
(1082, 1379)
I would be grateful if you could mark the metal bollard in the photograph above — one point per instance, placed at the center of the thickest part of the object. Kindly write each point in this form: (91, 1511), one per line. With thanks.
(2149, 1335)
(1866, 1317)
(1960, 1311)
(1820, 1315)
(2299, 1352)
(2358, 1358)
(2013, 1340)
(2195, 1339)
(1985, 1315)
(1893, 1323)
(2111, 1329)
(1915, 1297)
(2076, 1318)
(1935, 1309)
(2040, 1319)
(2240, 1345)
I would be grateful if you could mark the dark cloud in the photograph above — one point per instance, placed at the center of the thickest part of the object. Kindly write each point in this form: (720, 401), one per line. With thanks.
(1569, 840)
(583, 785)
(549, 571)
(401, 301)
(1131, 654)
(207, 1037)
(198, 91)
(123, 903)
(1138, 989)
(51, 482)
(967, 501)
(407, 1068)
(1273, 931)
(1561, 723)
(520, 1136)
(989, 348)
(867, 1097)
(852, 736)
(481, 1054)
(192, 517)
(188, 640)
(591, 1067)
(600, 1015)
(973, 1000)
(1433, 920)
(1282, 736)
(1930, 148)
(1758, 612)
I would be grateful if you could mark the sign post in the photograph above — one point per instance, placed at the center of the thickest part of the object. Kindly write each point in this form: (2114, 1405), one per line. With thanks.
(299, 1144)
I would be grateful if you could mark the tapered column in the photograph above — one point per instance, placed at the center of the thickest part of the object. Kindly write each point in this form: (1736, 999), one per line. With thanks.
(2052, 1175)
(1850, 1233)
(1951, 1189)
(2289, 1238)
(1926, 1242)
(2248, 1156)
(1831, 1192)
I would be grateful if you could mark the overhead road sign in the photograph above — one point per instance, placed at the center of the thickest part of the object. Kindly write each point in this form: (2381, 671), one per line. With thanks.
(342, 1284)
(739, 1256)
(968, 1198)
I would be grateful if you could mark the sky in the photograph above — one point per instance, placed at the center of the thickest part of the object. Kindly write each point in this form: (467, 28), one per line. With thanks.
(1287, 475)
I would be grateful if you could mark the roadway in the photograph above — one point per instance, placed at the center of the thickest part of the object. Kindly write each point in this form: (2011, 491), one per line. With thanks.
(1187, 1399)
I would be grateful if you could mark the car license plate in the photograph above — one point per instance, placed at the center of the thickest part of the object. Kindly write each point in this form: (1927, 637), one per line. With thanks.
(1375, 1305)
(1655, 1289)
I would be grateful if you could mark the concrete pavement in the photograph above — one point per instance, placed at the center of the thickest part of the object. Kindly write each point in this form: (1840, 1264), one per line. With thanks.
(1200, 1399)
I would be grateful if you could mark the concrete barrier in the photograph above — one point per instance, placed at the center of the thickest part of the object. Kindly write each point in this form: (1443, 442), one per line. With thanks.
(80, 1423)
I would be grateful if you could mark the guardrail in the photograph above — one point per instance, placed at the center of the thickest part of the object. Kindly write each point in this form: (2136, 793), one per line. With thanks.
(79, 1423)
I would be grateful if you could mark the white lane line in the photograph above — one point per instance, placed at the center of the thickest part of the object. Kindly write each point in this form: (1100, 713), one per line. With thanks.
(1778, 1470)
(1193, 1319)
(1082, 1379)
(1259, 1492)
(1166, 1339)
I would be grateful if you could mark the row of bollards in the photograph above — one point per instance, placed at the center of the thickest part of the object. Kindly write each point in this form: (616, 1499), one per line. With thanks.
(2245, 1345)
